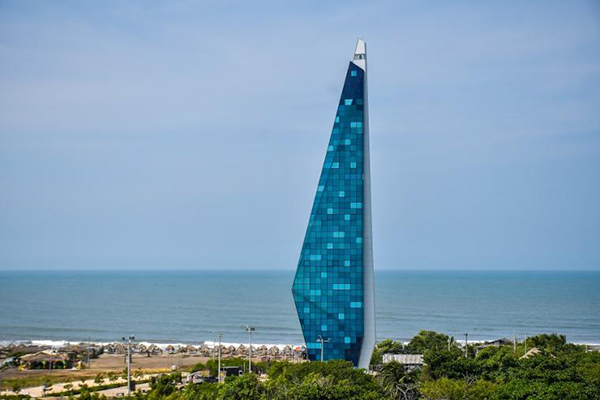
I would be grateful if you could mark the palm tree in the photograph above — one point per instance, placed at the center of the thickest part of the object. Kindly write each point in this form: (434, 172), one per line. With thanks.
(99, 379)
(396, 382)
(112, 377)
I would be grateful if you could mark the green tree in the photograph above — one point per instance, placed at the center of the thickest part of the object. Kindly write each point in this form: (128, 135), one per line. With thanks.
(427, 340)
(245, 387)
(495, 362)
(199, 367)
(390, 346)
(550, 342)
(164, 385)
(560, 371)
(204, 391)
(16, 387)
(334, 379)
(396, 382)
(480, 390)
(98, 379)
(384, 347)
(112, 377)
(87, 395)
(444, 389)
(449, 364)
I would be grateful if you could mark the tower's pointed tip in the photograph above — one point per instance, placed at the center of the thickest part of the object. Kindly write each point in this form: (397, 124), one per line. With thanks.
(360, 54)
(361, 47)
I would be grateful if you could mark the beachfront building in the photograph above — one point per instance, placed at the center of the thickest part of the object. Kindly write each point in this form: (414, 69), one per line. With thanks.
(333, 286)
(409, 361)
(46, 360)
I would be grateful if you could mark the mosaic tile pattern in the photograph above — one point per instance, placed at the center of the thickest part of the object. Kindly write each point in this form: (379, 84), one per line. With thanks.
(328, 286)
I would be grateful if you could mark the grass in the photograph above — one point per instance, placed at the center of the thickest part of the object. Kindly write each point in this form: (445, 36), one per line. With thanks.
(68, 377)
(40, 380)
(91, 389)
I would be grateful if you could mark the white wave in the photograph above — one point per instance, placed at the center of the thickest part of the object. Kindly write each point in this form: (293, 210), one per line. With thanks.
(56, 344)
(212, 344)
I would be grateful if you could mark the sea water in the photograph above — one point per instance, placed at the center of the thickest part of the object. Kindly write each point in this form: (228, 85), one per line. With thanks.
(175, 306)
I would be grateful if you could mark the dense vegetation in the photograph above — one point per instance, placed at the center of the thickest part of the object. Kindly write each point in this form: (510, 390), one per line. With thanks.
(554, 370)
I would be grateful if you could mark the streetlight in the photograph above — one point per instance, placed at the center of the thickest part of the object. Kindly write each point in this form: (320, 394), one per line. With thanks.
(87, 352)
(219, 336)
(2, 368)
(131, 337)
(249, 329)
(322, 341)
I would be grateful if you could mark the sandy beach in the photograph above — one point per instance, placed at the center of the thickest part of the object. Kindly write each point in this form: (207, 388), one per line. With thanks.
(143, 367)
(115, 363)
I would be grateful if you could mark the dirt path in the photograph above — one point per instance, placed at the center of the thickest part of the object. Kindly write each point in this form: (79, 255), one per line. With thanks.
(38, 391)
(31, 380)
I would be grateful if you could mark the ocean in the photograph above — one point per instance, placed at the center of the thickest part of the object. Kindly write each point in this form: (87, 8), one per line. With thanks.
(185, 306)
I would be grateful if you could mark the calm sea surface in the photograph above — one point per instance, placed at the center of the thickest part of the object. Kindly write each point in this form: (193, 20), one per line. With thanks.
(183, 306)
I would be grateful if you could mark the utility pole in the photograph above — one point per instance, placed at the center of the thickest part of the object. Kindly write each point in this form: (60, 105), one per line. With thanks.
(466, 345)
(131, 337)
(219, 374)
(322, 341)
(219, 337)
(88, 353)
(249, 329)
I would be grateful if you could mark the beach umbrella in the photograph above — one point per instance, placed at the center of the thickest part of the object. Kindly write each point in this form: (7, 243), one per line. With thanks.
(154, 349)
(191, 349)
(120, 348)
(262, 350)
(205, 350)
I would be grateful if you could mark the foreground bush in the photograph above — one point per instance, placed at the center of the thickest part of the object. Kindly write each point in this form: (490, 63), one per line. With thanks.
(558, 371)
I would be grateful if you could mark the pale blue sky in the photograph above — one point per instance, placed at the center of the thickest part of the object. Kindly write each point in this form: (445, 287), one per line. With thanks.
(190, 134)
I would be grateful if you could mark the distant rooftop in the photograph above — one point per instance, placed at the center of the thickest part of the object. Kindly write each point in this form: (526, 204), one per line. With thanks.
(406, 359)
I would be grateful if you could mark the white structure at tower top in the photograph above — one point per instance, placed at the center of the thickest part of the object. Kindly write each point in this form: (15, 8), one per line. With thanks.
(360, 55)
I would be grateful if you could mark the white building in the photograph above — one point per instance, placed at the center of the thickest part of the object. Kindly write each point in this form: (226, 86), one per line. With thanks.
(410, 361)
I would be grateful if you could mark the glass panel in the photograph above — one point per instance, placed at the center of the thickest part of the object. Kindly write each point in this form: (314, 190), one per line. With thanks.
(328, 280)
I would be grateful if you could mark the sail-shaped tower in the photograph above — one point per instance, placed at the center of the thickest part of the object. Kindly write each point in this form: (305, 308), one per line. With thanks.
(333, 288)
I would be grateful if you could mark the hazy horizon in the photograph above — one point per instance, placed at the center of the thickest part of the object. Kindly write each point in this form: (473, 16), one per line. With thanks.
(293, 270)
(185, 135)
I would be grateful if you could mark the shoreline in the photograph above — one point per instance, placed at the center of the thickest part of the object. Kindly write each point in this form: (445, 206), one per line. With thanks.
(58, 344)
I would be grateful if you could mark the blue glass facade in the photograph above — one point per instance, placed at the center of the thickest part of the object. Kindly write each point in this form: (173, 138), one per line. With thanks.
(328, 287)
